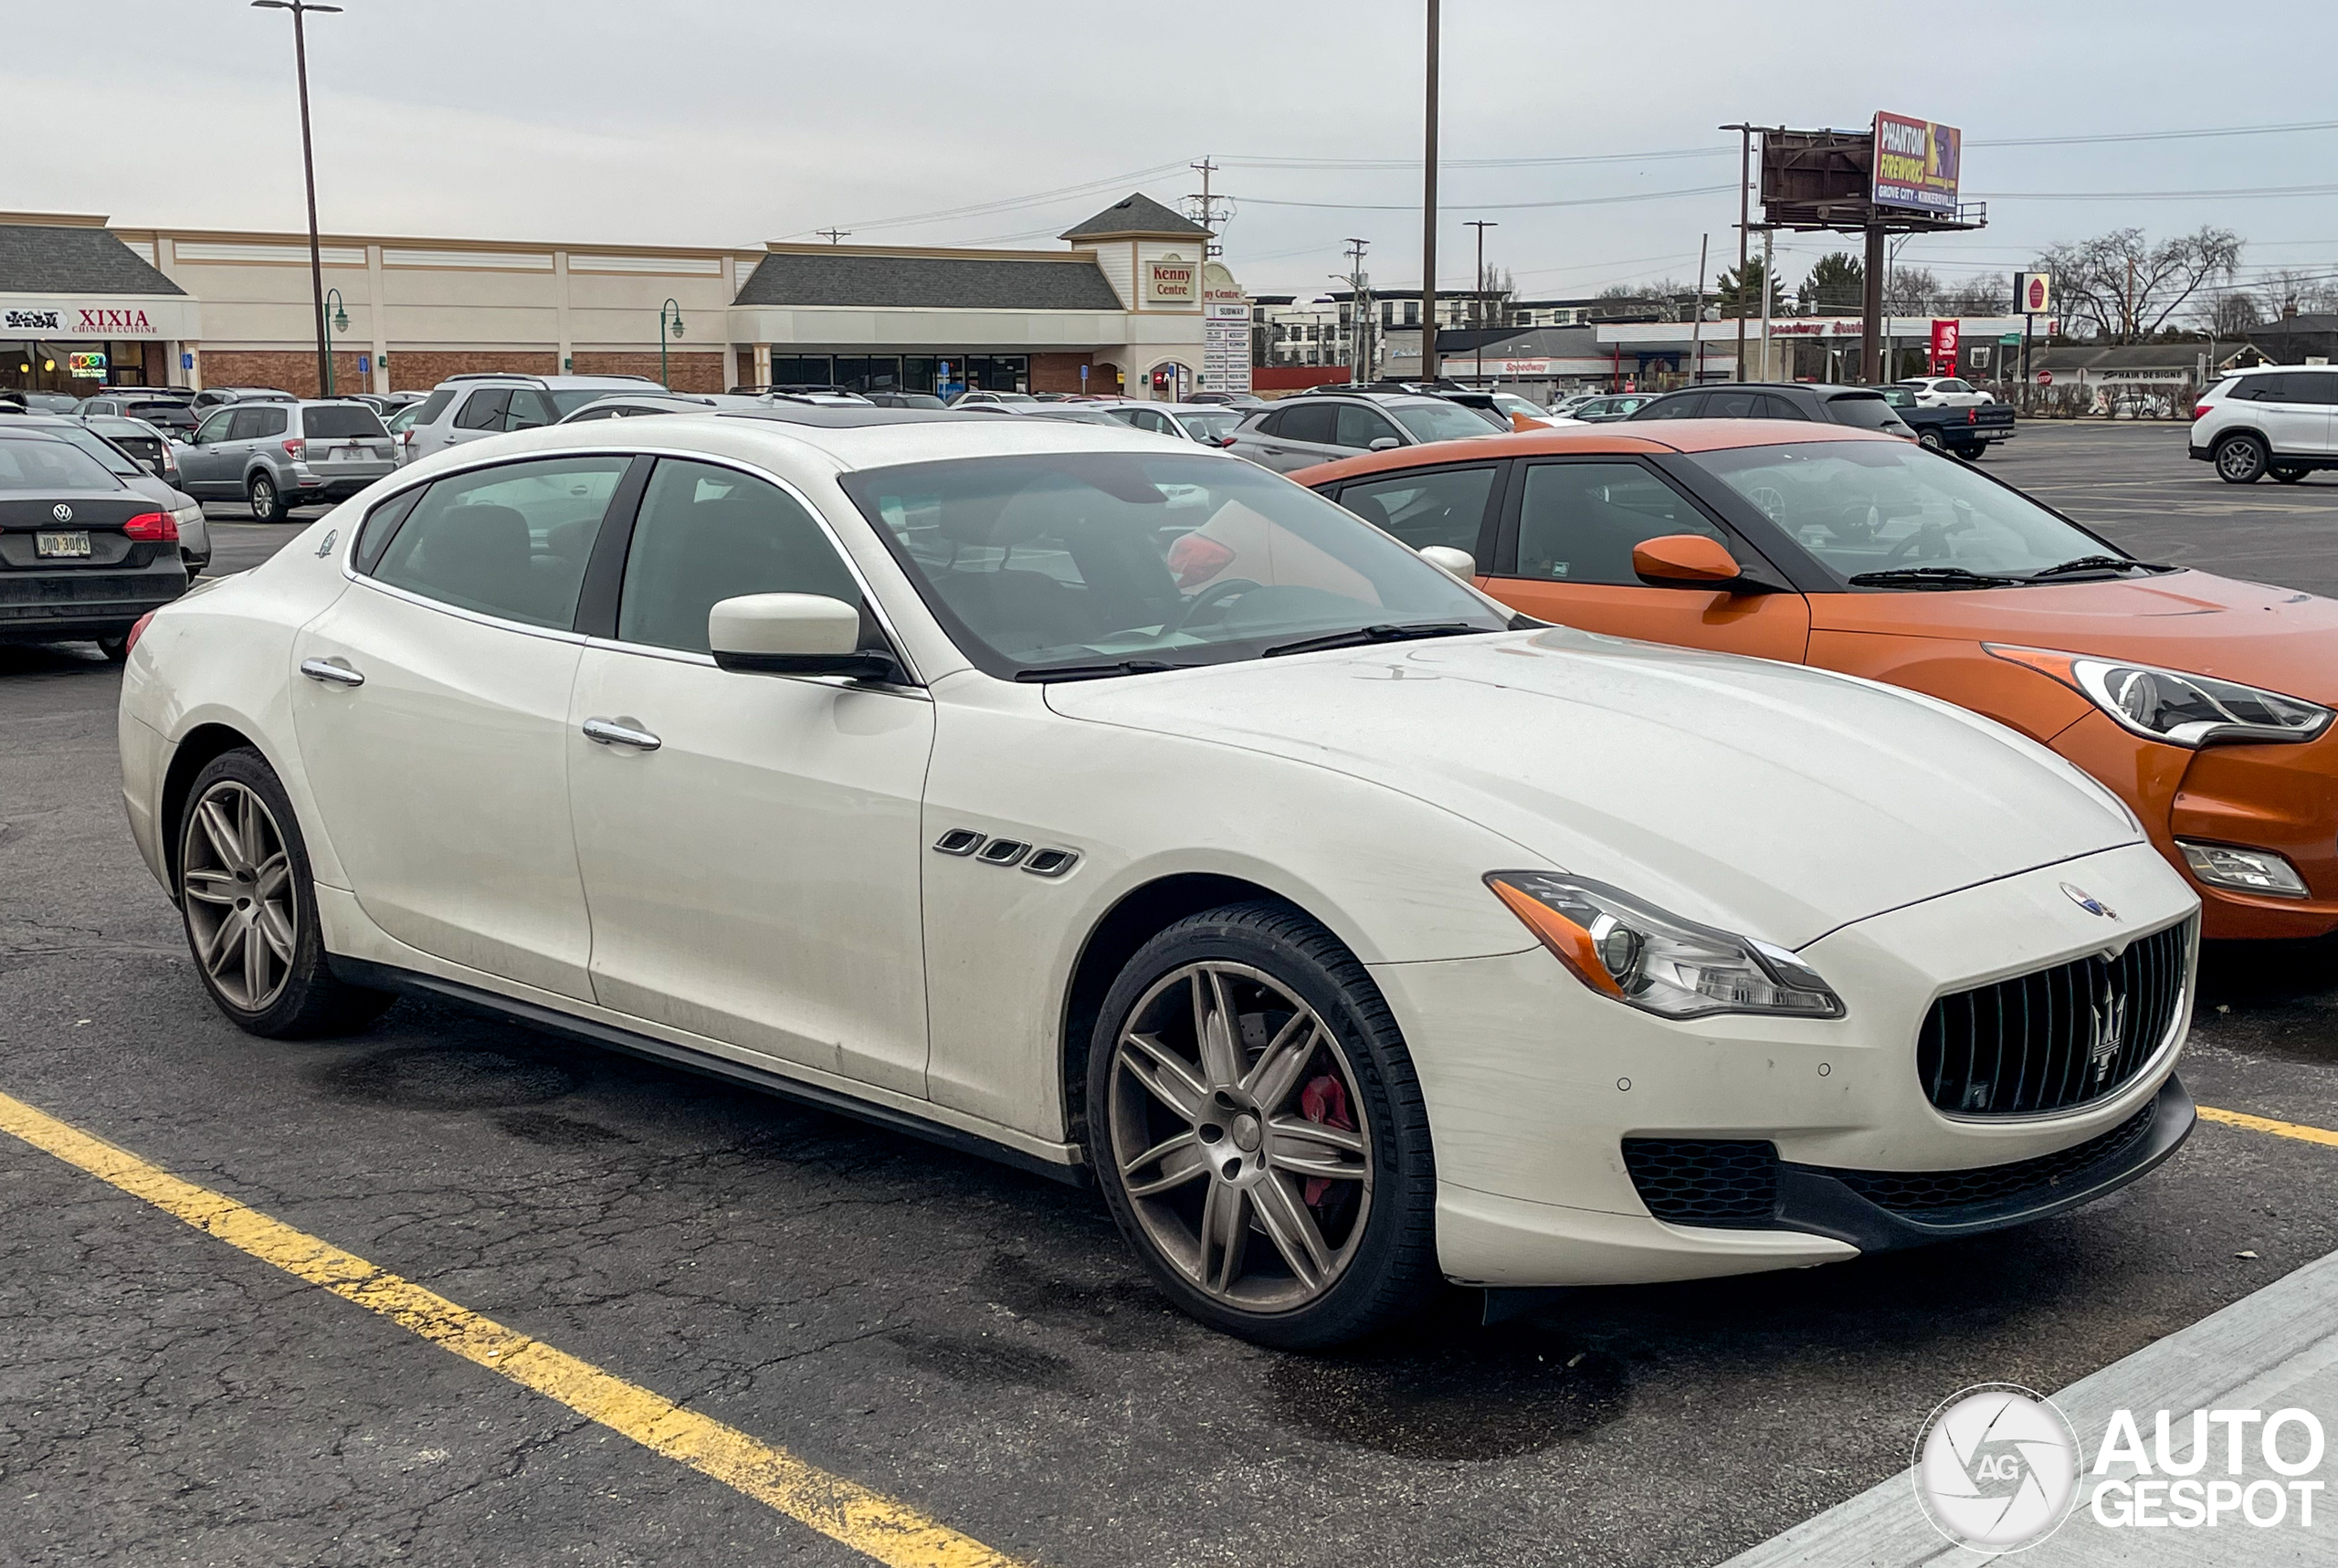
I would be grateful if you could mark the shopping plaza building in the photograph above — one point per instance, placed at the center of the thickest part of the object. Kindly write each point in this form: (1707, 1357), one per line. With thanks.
(1127, 306)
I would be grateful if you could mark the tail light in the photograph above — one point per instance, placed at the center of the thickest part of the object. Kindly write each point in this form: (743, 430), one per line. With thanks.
(153, 527)
(2200, 408)
(1972, 417)
(405, 437)
(296, 446)
(137, 630)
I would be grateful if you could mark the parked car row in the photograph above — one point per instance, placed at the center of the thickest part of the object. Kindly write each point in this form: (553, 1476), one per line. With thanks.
(1044, 786)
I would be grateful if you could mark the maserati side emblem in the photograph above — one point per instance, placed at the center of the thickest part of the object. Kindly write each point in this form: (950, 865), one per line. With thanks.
(2088, 902)
(325, 545)
(61, 512)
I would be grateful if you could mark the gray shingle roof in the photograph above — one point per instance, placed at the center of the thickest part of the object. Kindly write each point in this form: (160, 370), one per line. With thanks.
(50, 259)
(1135, 214)
(837, 276)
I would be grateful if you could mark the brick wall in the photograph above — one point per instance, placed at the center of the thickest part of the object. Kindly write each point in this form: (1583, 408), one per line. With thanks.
(419, 371)
(744, 372)
(288, 370)
(1060, 373)
(693, 371)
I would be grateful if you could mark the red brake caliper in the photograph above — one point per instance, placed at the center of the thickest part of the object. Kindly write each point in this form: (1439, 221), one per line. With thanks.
(1324, 1101)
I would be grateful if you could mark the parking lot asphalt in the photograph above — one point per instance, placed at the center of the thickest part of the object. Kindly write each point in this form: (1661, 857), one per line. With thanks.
(971, 1341)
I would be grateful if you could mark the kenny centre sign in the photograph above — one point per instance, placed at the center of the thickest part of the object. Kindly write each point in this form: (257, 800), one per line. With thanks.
(1172, 281)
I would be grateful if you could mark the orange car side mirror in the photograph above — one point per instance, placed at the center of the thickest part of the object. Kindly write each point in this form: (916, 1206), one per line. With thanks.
(1685, 561)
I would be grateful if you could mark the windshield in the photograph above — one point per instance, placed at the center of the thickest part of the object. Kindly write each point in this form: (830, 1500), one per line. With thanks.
(1210, 427)
(405, 418)
(1079, 560)
(1865, 411)
(104, 451)
(1898, 397)
(1441, 421)
(49, 464)
(349, 419)
(1882, 506)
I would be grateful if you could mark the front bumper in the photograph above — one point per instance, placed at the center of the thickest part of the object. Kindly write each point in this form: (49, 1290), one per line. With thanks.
(1535, 1087)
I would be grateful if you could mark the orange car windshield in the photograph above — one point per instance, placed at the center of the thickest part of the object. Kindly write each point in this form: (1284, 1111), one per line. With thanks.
(1861, 508)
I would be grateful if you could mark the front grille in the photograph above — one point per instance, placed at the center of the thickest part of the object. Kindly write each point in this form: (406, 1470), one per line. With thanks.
(2057, 1038)
(1918, 1191)
(1703, 1181)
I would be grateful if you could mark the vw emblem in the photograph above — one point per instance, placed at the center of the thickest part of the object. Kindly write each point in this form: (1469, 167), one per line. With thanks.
(61, 512)
(2088, 902)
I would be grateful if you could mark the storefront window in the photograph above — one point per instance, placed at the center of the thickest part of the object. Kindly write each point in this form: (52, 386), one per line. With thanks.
(999, 372)
(802, 370)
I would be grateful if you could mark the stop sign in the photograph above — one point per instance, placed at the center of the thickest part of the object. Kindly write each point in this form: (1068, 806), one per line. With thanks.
(2044, 378)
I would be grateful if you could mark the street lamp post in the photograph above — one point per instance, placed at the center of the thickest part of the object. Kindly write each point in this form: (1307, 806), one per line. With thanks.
(300, 9)
(669, 322)
(1428, 202)
(336, 318)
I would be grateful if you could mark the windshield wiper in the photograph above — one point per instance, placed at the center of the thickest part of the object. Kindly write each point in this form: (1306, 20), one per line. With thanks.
(1930, 577)
(2096, 563)
(1364, 635)
(1100, 671)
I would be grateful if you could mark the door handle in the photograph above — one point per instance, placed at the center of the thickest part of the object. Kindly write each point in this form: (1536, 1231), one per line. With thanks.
(609, 732)
(331, 671)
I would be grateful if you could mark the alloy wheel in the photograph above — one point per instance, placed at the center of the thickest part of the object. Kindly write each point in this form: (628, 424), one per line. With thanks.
(1236, 1128)
(2241, 460)
(237, 888)
(263, 501)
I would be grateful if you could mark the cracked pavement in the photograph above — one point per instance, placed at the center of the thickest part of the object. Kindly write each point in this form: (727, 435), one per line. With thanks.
(965, 1337)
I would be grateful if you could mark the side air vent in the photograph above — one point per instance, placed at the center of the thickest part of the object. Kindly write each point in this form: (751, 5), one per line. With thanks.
(958, 841)
(1050, 862)
(1002, 852)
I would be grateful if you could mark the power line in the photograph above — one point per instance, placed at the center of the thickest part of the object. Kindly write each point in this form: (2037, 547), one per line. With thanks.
(1493, 207)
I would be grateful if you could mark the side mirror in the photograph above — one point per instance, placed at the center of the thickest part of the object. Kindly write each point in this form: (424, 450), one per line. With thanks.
(1454, 562)
(793, 634)
(1685, 561)
(1384, 444)
(1221, 441)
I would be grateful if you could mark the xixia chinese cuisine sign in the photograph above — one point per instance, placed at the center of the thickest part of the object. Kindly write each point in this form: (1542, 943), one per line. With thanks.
(51, 319)
(1916, 164)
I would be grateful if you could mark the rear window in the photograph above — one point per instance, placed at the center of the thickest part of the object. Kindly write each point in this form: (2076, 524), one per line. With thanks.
(1863, 410)
(1441, 421)
(155, 410)
(49, 464)
(430, 407)
(569, 401)
(343, 419)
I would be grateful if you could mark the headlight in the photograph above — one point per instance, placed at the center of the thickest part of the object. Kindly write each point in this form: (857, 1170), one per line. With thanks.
(2168, 705)
(1644, 958)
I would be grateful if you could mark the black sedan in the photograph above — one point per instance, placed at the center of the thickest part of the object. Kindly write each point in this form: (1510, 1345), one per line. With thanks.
(82, 555)
(1861, 407)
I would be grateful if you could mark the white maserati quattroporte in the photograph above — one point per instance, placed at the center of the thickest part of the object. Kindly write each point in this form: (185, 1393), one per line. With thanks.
(1126, 811)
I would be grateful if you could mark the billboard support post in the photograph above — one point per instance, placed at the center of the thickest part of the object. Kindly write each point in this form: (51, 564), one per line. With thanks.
(1871, 308)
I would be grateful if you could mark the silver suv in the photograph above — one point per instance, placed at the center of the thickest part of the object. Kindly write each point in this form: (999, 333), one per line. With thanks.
(1301, 432)
(278, 456)
(466, 407)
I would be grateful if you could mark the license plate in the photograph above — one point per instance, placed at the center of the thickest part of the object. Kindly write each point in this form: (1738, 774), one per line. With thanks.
(62, 544)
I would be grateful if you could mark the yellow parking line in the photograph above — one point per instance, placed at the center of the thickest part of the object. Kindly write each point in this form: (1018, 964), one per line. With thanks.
(2267, 1124)
(870, 1523)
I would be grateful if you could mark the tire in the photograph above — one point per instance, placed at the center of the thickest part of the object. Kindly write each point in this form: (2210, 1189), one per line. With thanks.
(268, 503)
(116, 649)
(2288, 476)
(1180, 1149)
(2242, 460)
(250, 907)
(1930, 441)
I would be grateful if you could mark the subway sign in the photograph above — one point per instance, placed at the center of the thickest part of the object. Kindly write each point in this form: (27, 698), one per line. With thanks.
(1916, 164)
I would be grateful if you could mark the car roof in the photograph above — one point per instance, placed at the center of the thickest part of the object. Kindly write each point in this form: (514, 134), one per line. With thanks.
(1626, 439)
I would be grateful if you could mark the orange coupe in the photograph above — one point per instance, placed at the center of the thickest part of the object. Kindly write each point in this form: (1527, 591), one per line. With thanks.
(2206, 704)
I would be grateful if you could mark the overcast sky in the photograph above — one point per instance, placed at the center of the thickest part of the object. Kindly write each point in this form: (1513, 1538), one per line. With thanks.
(735, 121)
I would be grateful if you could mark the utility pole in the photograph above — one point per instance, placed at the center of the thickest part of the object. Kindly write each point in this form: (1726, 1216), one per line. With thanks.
(1766, 233)
(1744, 217)
(2128, 335)
(300, 9)
(833, 235)
(1359, 330)
(1429, 211)
(1209, 209)
(1696, 316)
(1481, 224)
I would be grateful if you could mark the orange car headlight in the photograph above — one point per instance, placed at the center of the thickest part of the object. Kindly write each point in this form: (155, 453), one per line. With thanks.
(2173, 706)
(1636, 953)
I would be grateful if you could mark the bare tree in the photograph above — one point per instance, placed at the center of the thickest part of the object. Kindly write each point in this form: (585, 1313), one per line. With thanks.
(2293, 290)
(2229, 312)
(1980, 297)
(2122, 288)
(1909, 292)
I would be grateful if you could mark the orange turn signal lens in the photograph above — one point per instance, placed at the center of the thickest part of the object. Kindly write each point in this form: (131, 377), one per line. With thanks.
(1569, 942)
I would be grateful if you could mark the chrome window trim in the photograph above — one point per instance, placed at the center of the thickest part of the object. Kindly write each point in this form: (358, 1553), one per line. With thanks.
(828, 529)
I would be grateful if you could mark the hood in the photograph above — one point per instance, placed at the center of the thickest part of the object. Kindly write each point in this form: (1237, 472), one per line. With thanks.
(1771, 799)
(2278, 638)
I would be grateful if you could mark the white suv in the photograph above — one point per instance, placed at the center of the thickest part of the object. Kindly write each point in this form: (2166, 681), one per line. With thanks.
(2275, 419)
(466, 407)
(1945, 392)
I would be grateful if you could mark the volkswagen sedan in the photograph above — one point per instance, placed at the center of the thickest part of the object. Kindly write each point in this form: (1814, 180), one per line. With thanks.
(1131, 814)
